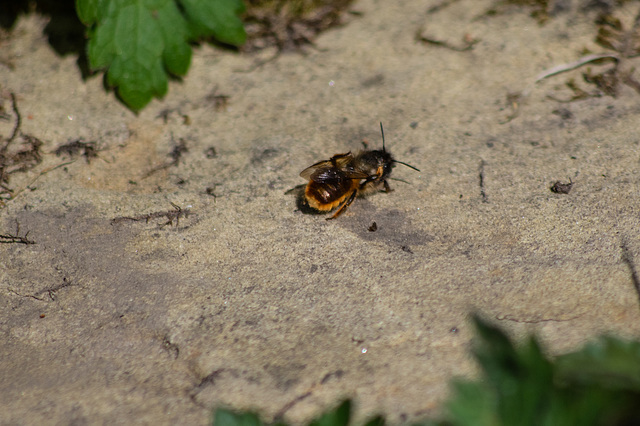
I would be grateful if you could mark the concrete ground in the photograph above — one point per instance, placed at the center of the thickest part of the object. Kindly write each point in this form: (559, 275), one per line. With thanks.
(234, 297)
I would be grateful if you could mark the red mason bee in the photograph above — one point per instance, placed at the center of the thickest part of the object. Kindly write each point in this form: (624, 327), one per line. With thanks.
(336, 182)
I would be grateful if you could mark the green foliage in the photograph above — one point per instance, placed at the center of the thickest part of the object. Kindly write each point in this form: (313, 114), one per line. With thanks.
(142, 42)
(338, 417)
(598, 385)
(612, 362)
(520, 386)
(224, 417)
(517, 382)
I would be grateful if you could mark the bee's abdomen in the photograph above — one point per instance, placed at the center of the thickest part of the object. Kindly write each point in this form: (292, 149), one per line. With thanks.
(328, 189)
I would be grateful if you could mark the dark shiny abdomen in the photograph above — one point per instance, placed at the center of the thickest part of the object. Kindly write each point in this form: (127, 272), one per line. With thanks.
(328, 188)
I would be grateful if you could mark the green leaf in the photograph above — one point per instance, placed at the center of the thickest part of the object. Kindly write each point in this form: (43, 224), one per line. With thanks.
(472, 404)
(521, 378)
(140, 42)
(595, 386)
(375, 421)
(338, 417)
(137, 70)
(610, 362)
(217, 18)
(593, 405)
(129, 41)
(175, 33)
(87, 10)
(224, 417)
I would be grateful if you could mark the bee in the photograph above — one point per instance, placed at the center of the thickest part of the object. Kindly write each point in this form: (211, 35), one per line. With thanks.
(336, 182)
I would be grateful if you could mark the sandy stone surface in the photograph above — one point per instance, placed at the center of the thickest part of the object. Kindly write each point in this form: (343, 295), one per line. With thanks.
(238, 298)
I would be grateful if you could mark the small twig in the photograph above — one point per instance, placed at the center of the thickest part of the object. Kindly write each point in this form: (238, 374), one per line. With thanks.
(289, 405)
(483, 192)
(49, 291)
(559, 69)
(280, 414)
(209, 379)
(170, 215)
(627, 258)
(512, 318)
(26, 295)
(515, 99)
(11, 239)
(468, 42)
(622, 44)
(16, 127)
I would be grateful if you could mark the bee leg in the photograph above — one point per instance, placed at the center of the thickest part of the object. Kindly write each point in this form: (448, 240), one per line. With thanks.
(344, 205)
(387, 188)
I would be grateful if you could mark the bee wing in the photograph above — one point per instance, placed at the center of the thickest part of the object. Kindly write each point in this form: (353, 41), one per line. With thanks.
(306, 173)
(337, 161)
(341, 160)
(333, 176)
(356, 174)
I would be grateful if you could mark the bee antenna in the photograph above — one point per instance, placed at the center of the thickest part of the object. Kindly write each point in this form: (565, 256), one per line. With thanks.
(382, 131)
(408, 165)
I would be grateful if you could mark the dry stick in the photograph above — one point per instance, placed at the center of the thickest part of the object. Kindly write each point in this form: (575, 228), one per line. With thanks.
(8, 238)
(468, 42)
(625, 52)
(25, 295)
(280, 414)
(16, 128)
(481, 177)
(627, 258)
(15, 239)
(468, 45)
(524, 321)
(558, 69)
(170, 215)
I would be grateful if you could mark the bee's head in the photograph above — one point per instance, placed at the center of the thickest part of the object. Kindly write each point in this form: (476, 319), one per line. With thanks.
(384, 161)
(379, 162)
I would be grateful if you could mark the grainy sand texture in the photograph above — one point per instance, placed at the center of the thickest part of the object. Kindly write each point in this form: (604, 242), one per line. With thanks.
(172, 272)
